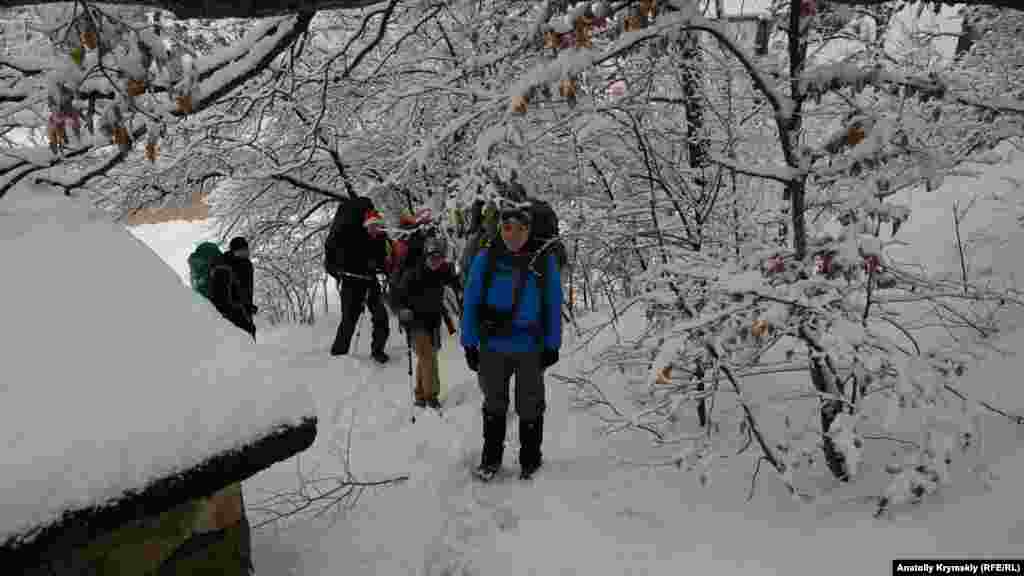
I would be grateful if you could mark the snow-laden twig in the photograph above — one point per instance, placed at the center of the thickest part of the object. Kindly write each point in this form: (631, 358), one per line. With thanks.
(766, 450)
(782, 174)
(1015, 418)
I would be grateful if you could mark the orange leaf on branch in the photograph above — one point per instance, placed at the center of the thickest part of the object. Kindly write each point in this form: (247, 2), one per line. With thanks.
(664, 376)
(760, 328)
(519, 104)
(567, 88)
(855, 135)
(648, 8)
(57, 136)
(151, 151)
(632, 23)
(583, 24)
(89, 39)
(121, 136)
(184, 104)
(551, 39)
(135, 87)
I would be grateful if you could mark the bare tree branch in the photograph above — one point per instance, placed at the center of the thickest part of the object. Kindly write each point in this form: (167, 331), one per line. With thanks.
(307, 186)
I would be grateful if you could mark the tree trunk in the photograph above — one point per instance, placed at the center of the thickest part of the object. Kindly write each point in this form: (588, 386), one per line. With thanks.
(822, 371)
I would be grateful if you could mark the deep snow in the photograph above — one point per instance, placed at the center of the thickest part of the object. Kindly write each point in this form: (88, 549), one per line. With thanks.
(585, 512)
(114, 373)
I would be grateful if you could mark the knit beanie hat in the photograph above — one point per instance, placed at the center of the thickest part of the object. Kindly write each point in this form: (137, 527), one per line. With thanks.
(238, 243)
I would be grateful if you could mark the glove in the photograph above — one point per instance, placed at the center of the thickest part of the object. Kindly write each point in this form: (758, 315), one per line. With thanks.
(473, 358)
(548, 358)
(405, 316)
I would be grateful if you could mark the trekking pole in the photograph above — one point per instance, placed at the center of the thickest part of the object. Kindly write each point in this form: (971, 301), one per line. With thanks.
(359, 329)
(408, 353)
(412, 383)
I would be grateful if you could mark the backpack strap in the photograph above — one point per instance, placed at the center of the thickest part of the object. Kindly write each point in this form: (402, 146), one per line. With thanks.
(489, 269)
(522, 267)
(542, 281)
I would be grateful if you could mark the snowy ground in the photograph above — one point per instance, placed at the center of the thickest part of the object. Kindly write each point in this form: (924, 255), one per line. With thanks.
(585, 513)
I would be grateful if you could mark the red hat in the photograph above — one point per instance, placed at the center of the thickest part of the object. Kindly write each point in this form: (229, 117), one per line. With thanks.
(373, 218)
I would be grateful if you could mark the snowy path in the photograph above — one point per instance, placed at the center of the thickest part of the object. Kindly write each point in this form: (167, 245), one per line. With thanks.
(583, 513)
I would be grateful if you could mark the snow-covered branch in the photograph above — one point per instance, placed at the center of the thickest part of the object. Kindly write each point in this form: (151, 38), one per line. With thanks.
(95, 172)
(211, 9)
(572, 62)
(782, 174)
(1012, 4)
(256, 59)
(837, 75)
(265, 44)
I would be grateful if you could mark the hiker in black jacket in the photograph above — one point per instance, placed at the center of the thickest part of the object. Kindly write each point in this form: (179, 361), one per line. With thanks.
(357, 252)
(237, 258)
(226, 295)
(419, 299)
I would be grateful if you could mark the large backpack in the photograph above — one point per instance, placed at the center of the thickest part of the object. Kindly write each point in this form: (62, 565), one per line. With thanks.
(408, 254)
(485, 232)
(346, 225)
(544, 237)
(200, 266)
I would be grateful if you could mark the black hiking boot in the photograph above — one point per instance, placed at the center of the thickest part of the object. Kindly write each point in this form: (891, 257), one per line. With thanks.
(494, 447)
(527, 472)
(381, 357)
(531, 433)
(434, 403)
(486, 472)
(420, 403)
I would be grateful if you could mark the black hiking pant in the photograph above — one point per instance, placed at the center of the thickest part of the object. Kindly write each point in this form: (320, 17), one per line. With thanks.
(495, 373)
(355, 293)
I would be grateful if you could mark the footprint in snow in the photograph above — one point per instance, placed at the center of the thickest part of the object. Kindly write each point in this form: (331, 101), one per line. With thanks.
(506, 519)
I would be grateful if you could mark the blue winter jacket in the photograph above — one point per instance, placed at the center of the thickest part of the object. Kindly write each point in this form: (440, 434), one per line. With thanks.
(527, 324)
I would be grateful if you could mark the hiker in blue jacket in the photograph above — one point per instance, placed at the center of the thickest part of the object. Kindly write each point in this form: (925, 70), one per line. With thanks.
(515, 329)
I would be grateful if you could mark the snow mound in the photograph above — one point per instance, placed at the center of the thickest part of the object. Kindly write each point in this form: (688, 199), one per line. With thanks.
(115, 374)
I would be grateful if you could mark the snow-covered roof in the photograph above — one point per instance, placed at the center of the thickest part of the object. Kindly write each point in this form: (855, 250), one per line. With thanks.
(116, 377)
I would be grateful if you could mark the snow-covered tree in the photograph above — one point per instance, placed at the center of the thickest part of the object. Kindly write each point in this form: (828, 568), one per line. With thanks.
(849, 135)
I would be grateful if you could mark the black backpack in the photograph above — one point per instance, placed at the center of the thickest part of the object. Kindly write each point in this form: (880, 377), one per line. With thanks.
(415, 241)
(544, 239)
(346, 226)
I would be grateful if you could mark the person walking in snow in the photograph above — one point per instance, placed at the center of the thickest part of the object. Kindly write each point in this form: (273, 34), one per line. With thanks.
(361, 252)
(512, 324)
(237, 257)
(226, 295)
(419, 298)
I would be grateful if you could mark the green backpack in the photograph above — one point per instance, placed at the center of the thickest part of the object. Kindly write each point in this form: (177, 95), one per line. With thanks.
(199, 265)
